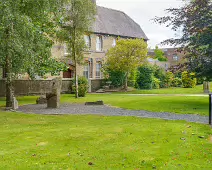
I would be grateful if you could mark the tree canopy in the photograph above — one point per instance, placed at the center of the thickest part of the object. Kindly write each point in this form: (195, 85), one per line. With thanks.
(126, 56)
(194, 20)
(27, 29)
(75, 25)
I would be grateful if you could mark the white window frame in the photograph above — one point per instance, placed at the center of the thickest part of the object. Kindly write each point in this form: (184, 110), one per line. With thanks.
(114, 42)
(87, 39)
(175, 57)
(66, 50)
(86, 71)
(98, 70)
(99, 43)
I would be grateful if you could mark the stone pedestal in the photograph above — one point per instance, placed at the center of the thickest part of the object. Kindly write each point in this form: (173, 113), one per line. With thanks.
(41, 100)
(14, 104)
(206, 87)
(53, 98)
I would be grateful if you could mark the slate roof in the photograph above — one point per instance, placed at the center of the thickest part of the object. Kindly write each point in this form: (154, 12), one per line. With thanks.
(113, 22)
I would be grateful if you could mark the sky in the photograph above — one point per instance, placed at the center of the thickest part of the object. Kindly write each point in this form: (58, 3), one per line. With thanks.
(142, 12)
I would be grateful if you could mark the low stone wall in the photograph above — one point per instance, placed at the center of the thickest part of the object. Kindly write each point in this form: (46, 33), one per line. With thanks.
(34, 87)
(39, 87)
(96, 84)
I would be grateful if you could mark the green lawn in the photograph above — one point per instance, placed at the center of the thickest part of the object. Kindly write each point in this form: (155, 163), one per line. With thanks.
(172, 104)
(99, 142)
(197, 90)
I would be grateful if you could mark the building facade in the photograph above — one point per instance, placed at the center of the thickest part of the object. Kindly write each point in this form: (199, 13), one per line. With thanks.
(173, 56)
(110, 25)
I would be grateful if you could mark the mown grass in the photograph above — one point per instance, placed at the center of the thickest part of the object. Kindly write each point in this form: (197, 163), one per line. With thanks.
(172, 104)
(197, 90)
(99, 142)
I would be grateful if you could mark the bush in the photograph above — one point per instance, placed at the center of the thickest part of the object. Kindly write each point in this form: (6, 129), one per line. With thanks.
(188, 80)
(132, 79)
(169, 79)
(177, 82)
(82, 86)
(155, 83)
(117, 78)
(145, 77)
(160, 74)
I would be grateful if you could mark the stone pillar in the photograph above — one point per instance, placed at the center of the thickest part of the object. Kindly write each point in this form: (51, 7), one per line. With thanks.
(14, 104)
(206, 87)
(53, 98)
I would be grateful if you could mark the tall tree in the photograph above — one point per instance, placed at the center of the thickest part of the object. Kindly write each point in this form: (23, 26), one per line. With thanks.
(126, 56)
(81, 15)
(194, 20)
(26, 29)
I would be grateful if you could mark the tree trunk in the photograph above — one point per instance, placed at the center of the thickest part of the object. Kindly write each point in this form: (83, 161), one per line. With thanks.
(75, 61)
(126, 83)
(206, 86)
(9, 85)
(76, 81)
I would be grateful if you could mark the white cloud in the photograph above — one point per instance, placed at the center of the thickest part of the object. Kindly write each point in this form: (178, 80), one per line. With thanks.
(143, 11)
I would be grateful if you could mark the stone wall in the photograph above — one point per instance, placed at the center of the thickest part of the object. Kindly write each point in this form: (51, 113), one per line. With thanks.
(96, 84)
(38, 87)
(35, 87)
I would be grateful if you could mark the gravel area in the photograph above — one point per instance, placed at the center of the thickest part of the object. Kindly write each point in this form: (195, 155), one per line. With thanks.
(109, 111)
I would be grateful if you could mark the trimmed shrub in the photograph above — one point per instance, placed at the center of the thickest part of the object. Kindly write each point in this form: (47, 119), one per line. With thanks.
(177, 82)
(117, 78)
(82, 86)
(145, 77)
(160, 74)
(188, 80)
(169, 79)
(155, 83)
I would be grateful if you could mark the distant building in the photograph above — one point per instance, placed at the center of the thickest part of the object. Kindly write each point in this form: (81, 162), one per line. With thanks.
(172, 54)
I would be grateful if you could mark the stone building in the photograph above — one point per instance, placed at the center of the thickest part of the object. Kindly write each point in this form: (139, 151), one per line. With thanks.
(110, 24)
(172, 54)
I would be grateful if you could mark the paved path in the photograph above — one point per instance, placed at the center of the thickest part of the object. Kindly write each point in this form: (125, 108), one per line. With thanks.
(109, 111)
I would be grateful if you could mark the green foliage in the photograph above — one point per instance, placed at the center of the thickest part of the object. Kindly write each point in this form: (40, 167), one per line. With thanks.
(193, 18)
(159, 54)
(160, 74)
(23, 31)
(145, 77)
(176, 82)
(116, 77)
(155, 83)
(169, 79)
(82, 86)
(132, 78)
(188, 80)
(126, 56)
(51, 65)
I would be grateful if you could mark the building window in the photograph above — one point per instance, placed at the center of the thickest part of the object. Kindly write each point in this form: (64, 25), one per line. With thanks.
(86, 71)
(99, 43)
(66, 52)
(175, 58)
(87, 39)
(98, 70)
(114, 42)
